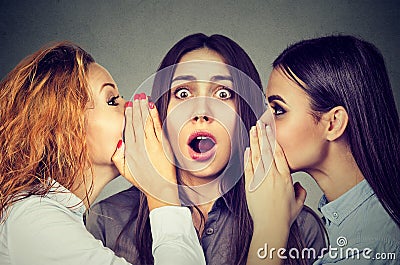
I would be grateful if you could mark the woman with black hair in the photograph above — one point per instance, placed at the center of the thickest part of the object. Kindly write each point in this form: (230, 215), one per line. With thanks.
(208, 93)
(336, 119)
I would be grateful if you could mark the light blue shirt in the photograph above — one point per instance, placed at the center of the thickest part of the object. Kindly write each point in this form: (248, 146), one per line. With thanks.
(360, 230)
(50, 230)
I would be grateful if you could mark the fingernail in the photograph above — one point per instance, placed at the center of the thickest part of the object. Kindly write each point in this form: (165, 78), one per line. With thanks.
(247, 151)
(253, 131)
(136, 97)
(246, 155)
(268, 129)
(142, 96)
(259, 124)
(151, 105)
(128, 104)
(119, 144)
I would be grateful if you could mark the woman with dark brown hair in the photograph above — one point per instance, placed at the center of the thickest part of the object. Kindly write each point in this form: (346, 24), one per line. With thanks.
(208, 93)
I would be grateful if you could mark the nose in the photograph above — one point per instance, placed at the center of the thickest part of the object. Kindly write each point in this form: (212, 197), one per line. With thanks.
(201, 118)
(202, 110)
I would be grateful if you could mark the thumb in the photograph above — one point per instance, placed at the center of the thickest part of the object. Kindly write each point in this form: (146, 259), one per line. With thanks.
(118, 157)
(248, 170)
(300, 193)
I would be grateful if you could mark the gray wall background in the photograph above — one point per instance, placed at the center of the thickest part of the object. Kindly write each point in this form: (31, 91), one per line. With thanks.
(130, 38)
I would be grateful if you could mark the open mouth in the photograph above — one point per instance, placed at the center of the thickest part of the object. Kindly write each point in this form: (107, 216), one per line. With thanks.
(201, 145)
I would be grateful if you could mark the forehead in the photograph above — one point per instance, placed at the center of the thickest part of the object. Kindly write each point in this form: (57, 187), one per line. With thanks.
(280, 84)
(98, 75)
(202, 65)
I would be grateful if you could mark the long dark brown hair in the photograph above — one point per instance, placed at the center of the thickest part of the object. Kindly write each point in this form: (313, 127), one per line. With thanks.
(236, 57)
(350, 72)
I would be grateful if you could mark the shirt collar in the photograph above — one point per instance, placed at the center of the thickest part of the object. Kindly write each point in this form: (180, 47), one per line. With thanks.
(65, 197)
(338, 210)
(224, 202)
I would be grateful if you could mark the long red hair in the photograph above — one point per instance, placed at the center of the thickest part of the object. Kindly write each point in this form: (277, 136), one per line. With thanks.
(42, 123)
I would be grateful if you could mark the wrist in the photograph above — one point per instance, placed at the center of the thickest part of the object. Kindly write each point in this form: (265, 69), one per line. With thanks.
(168, 197)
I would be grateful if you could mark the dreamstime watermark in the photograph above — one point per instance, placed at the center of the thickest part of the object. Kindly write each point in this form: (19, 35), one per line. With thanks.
(340, 252)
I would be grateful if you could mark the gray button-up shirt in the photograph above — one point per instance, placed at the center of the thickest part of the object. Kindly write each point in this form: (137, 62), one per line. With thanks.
(107, 218)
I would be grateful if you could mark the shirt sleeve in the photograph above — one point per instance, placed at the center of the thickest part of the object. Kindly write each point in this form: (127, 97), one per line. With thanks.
(40, 231)
(173, 232)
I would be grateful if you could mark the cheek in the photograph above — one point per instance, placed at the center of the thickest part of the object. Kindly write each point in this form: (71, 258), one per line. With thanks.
(299, 142)
(175, 133)
(103, 136)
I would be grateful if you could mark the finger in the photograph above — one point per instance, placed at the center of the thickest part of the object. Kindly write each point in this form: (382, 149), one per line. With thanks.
(156, 120)
(280, 161)
(129, 133)
(248, 168)
(138, 126)
(255, 148)
(265, 146)
(118, 159)
(145, 117)
(300, 194)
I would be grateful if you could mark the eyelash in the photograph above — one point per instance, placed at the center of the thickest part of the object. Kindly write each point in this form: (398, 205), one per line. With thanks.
(111, 101)
(276, 108)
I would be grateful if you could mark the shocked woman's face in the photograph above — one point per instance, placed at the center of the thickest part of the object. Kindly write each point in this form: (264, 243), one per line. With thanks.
(297, 131)
(201, 114)
(105, 117)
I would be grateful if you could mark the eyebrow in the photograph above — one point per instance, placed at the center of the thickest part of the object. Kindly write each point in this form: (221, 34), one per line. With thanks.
(184, 77)
(107, 84)
(276, 97)
(221, 78)
(193, 78)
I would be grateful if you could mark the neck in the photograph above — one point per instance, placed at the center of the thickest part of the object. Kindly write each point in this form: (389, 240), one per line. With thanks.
(95, 181)
(196, 217)
(338, 173)
(203, 193)
(199, 190)
(191, 179)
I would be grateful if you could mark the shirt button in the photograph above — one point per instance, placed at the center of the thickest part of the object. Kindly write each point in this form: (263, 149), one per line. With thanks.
(209, 231)
(335, 215)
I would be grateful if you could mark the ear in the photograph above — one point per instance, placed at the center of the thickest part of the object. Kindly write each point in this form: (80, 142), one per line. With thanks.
(337, 120)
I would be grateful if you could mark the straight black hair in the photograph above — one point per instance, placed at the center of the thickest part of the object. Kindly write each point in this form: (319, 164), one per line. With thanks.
(350, 72)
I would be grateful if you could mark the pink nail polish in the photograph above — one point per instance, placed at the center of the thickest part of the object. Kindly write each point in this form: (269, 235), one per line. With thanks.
(128, 104)
(136, 96)
(142, 96)
(151, 105)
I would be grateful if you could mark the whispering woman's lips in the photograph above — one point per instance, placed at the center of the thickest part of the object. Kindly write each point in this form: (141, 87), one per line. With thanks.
(201, 145)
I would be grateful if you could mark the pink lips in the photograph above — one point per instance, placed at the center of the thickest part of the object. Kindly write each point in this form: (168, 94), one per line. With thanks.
(201, 135)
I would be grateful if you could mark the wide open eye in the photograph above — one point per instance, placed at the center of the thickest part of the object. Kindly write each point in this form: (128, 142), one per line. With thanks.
(182, 93)
(224, 93)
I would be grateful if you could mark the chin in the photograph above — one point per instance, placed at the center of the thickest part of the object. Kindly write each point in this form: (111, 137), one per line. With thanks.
(207, 173)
